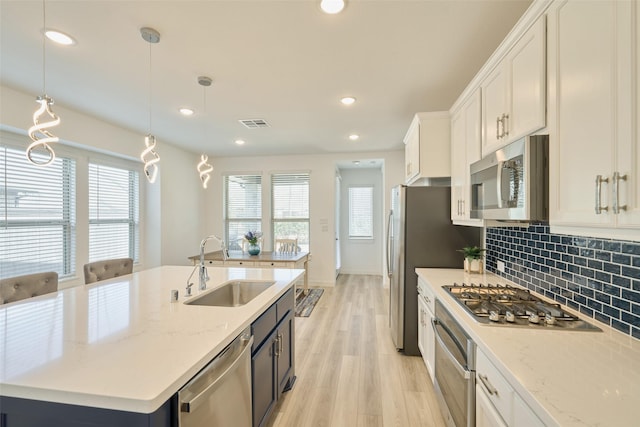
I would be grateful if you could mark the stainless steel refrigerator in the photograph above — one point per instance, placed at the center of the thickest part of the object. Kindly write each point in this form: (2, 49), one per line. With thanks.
(419, 234)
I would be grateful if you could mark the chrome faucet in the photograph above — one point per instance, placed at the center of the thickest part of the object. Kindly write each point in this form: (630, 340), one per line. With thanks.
(204, 276)
(202, 269)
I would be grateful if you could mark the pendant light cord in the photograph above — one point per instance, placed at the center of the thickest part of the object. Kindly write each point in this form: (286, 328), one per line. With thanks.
(150, 86)
(44, 44)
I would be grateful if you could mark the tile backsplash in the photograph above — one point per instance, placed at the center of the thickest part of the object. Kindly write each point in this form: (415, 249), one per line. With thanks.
(598, 277)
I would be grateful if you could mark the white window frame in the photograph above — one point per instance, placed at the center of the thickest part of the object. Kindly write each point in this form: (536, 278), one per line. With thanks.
(304, 245)
(233, 242)
(353, 234)
(17, 144)
(133, 218)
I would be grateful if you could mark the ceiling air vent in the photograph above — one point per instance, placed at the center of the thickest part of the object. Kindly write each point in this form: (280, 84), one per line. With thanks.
(254, 123)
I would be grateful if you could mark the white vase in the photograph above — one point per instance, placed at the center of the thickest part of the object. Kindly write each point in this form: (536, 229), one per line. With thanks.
(473, 265)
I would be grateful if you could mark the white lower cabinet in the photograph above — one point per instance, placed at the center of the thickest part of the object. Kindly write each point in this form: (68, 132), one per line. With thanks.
(497, 403)
(426, 337)
(486, 414)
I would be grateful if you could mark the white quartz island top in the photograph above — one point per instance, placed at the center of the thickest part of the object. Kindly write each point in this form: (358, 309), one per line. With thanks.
(121, 344)
(569, 378)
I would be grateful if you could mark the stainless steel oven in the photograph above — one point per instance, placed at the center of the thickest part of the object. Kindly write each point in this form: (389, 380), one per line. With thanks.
(455, 380)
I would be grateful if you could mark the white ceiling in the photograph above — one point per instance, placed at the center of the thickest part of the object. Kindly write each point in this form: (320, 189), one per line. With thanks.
(282, 61)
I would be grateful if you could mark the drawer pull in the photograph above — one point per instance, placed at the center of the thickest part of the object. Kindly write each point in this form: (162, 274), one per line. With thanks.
(487, 385)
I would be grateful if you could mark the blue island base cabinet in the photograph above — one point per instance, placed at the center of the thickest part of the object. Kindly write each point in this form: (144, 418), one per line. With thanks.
(15, 412)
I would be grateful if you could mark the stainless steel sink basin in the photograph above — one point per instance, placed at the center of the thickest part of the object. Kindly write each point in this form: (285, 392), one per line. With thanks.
(232, 294)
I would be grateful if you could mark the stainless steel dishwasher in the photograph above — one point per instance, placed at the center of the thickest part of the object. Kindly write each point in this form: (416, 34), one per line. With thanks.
(220, 394)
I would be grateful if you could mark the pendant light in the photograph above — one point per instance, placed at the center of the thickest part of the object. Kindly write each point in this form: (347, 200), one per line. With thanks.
(39, 133)
(204, 168)
(149, 155)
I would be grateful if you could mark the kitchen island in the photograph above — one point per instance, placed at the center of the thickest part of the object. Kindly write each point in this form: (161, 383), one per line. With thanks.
(568, 378)
(120, 344)
(264, 259)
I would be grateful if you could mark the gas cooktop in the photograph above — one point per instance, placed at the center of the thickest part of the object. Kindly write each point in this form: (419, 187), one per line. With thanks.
(505, 305)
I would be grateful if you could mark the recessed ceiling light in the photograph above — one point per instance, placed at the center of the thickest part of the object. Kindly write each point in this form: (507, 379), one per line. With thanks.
(353, 137)
(348, 100)
(239, 141)
(332, 6)
(186, 111)
(59, 37)
(356, 162)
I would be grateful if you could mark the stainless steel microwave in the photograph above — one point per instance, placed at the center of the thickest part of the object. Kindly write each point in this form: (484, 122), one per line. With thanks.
(512, 183)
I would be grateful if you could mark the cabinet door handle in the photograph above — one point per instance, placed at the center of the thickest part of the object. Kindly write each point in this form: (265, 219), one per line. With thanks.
(276, 342)
(462, 207)
(281, 343)
(616, 192)
(498, 120)
(599, 207)
(505, 125)
(487, 384)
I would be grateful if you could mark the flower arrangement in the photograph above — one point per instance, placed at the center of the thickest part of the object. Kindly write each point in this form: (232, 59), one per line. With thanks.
(253, 236)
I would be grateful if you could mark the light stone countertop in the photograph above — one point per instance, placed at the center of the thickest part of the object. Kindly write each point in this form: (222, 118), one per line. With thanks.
(569, 378)
(120, 344)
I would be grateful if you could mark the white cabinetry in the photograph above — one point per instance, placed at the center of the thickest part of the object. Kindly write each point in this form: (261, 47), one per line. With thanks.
(497, 403)
(593, 115)
(465, 149)
(427, 147)
(513, 94)
(426, 337)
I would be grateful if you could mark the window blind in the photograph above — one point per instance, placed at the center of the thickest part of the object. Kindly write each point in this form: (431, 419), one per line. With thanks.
(37, 215)
(290, 204)
(361, 212)
(114, 211)
(242, 207)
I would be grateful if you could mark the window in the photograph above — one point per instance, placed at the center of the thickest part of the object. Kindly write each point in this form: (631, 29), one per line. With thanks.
(242, 207)
(113, 213)
(361, 212)
(37, 215)
(290, 193)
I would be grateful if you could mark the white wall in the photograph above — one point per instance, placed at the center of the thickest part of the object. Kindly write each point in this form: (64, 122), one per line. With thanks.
(175, 217)
(171, 219)
(322, 197)
(362, 256)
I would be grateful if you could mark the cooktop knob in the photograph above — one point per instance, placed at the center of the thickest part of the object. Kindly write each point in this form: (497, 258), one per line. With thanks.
(534, 318)
(549, 319)
(509, 316)
(494, 316)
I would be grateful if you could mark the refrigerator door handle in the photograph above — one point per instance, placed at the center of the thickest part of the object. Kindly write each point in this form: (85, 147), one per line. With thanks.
(389, 222)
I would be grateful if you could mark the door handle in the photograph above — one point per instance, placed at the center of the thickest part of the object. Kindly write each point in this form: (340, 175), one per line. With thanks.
(497, 127)
(490, 388)
(599, 207)
(616, 193)
(505, 125)
(389, 271)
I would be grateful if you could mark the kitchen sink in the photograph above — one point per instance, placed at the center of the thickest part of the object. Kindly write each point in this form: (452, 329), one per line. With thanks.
(232, 294)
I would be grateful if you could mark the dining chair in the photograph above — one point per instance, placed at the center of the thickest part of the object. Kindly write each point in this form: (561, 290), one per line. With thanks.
(107, 269)
(27, 286)
(288, 246)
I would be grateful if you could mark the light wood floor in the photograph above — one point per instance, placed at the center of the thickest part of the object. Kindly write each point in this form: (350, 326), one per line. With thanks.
(349, 372)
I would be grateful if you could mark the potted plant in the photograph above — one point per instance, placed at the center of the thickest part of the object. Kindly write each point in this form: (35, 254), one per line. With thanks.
(252, 237)
(473, 258)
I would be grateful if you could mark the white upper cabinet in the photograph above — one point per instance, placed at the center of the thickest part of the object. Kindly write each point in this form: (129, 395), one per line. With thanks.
(513, 94)
(465, 149)
(427, 147)
(593, 116)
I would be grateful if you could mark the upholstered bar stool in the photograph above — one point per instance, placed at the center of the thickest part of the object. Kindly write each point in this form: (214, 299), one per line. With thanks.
(27, 286)
(107, 269)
